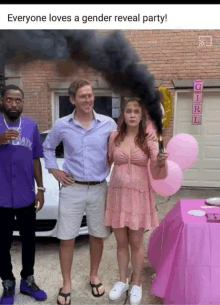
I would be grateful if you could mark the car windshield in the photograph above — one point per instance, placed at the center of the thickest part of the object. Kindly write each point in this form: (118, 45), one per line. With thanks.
(59, 149)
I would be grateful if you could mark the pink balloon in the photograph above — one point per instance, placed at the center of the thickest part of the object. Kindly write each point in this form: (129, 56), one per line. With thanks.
(183, 150)
(171, 184)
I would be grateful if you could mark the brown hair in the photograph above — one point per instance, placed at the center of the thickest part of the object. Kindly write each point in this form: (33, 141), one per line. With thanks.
(77, 85)
(140, 139)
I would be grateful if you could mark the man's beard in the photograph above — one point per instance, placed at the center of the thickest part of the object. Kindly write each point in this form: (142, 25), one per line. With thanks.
(12, 116)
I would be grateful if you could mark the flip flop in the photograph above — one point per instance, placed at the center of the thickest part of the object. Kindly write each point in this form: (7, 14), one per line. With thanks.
(96, 286)
(65, 296)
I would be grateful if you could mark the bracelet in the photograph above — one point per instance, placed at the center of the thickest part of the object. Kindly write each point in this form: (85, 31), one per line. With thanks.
(42, 188)
(50, 170)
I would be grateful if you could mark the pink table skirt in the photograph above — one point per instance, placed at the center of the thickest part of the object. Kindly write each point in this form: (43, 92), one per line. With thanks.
(185, 252)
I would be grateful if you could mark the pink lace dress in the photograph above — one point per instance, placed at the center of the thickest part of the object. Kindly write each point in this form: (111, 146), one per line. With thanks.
(130, 199)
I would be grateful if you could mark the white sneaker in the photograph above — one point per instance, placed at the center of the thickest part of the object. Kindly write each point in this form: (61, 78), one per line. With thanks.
(135, 295)
(118, 290)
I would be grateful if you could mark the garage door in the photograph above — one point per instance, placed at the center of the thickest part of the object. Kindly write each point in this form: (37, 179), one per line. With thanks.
(205, 172)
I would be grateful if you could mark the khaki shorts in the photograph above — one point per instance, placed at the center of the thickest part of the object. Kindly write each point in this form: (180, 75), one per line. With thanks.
(76, 199)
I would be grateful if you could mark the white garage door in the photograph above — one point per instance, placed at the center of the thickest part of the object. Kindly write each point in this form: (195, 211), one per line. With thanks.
(205, 172)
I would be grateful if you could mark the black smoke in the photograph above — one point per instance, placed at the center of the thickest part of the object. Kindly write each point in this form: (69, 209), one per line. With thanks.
(110, 54)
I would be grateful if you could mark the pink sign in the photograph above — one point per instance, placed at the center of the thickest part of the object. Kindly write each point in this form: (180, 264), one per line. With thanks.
(197, 102)
(196, 119)
(198, 85)
(197, 109)
(197, 98)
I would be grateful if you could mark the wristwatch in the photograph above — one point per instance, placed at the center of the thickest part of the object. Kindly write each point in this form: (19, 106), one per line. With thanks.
(42, 188)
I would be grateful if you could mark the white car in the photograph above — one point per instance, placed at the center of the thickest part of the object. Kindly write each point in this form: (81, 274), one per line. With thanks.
(46, 220)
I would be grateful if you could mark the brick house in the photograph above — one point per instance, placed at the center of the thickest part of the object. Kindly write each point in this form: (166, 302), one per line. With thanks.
(176, 58)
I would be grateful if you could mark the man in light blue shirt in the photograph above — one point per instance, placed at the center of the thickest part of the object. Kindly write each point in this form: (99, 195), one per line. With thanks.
(85, 135)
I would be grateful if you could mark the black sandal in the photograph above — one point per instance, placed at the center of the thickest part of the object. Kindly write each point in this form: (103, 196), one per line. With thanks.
(96, 286)
(65, 296)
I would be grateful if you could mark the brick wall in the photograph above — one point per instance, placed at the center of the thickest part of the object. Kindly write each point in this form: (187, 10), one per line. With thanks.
(177, 54)
(169, 55)
(36, 77)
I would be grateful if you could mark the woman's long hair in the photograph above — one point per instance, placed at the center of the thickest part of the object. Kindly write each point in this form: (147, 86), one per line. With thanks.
(140, 139)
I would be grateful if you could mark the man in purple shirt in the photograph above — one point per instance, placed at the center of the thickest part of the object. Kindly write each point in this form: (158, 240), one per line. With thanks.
(20, 152)
(84, 134)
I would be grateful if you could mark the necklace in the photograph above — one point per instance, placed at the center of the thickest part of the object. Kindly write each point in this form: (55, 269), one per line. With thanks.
(15, 128)
(18, 140)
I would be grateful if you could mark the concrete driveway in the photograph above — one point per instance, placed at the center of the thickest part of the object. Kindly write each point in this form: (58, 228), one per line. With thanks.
(47, 269)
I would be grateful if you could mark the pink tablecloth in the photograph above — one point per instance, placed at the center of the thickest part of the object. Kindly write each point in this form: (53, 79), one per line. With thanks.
(185, 252)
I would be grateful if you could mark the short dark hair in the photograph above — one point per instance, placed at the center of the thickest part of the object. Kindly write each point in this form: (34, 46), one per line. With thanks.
(12, 87)
(77, 85)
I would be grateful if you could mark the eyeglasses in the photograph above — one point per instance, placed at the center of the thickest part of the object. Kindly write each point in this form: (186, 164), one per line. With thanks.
(10, 100)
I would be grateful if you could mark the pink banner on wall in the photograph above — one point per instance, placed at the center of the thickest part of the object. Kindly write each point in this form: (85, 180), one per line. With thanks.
(198, 85)
(197, 98)
(196, 119)
(197, 109)
(197, 102)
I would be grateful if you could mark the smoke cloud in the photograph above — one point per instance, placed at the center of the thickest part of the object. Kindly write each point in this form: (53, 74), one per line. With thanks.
(110, 54)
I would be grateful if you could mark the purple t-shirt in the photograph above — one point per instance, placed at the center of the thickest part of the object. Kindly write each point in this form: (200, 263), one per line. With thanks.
(17, 186)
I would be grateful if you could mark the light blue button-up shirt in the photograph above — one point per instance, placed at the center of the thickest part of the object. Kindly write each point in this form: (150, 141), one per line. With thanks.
(85, 150)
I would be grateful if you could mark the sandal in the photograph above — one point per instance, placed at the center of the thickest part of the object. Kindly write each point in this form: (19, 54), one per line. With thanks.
(65, 296)
(96, 286)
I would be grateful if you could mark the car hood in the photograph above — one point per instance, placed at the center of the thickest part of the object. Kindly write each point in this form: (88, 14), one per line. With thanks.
(49, 182)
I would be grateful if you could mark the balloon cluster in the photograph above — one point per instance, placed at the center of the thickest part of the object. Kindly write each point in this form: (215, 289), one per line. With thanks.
(183, 151)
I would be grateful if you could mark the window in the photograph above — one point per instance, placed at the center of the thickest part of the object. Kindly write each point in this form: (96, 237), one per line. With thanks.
(102, 105)
(59, 152)
(106, 104)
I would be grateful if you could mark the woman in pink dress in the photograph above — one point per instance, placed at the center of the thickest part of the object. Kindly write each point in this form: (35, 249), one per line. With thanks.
(130, 207)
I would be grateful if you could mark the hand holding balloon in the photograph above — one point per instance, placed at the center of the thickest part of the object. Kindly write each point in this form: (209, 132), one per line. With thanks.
(171, 184)
(182, 151)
